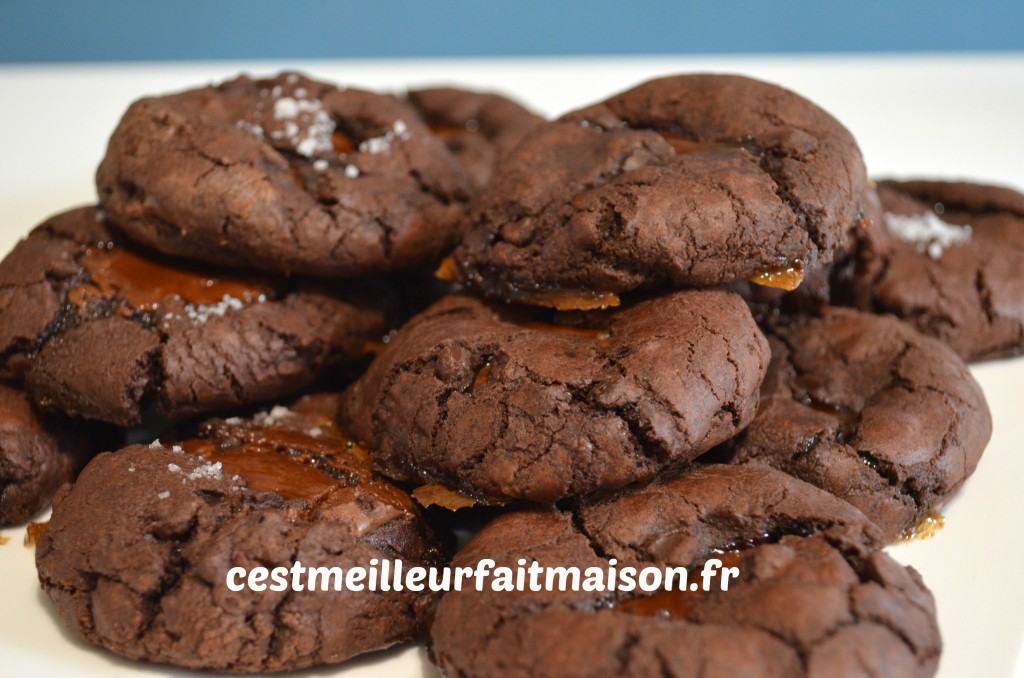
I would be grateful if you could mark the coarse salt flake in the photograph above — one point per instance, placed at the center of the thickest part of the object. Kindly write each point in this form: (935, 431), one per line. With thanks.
(207, 470)
(931, 234)
(202, 312)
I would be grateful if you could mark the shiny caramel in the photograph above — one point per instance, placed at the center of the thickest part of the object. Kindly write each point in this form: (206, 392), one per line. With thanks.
(447, 131)
(926, 528)
(342, 143)
(483, 376)
(682, 145)
(781, 277)
(297, 465)
(596, 333)
(676, 603)
(569, 300)
(143, 282)
(447, 271)
(439, 495)
(33, 531)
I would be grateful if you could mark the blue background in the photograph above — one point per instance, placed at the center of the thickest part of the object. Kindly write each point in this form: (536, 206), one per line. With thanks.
(134, 30)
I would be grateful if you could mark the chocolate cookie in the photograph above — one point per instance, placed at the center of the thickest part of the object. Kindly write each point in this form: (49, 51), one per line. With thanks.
(137, 553)
(946, 257)
(478, 127)
(812, 597)
(683, 181)
(870, 410)
(38, 454)
(499, 406)
(101, 328)
(284, 174)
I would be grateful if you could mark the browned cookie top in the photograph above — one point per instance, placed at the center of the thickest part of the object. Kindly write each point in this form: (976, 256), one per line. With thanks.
(478, 127)
(686, 180)
(285, 174)
(869, 409)
(500, 407)
(100, 328)
(38, 453)
(946, 257)
(813, 597)
(136, 555)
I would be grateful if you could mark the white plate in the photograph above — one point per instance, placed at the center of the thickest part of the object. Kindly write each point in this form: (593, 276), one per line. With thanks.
(922, 116)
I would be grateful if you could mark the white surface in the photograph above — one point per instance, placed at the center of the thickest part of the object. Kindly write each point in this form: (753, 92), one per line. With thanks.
(922, 116)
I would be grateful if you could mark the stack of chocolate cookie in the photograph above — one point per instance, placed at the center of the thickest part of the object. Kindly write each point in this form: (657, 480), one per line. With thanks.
(669, 327)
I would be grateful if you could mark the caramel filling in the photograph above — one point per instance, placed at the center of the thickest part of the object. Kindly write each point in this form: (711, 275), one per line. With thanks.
(448, 131)
(926, 528)
(143, 282)
(781, 277)
(483, 376)
(569, 300)
(33, 531)
(295, 465)
(447, 271)
(439, 495)
(342, 143)
(682, 145)
(678, 604)
(595, 333)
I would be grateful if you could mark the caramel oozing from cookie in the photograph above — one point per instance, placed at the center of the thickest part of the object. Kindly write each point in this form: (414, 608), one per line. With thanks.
(447, 131)
(678, 604)
(569, 300)
(33, 531)
(447, 270)
(266, 470)
(595, 333)
(342, 143)
(439, 495)
(781, 277)
(296, 465)
(483, 376)
(682, 145)
(143, 282)
(926, 528)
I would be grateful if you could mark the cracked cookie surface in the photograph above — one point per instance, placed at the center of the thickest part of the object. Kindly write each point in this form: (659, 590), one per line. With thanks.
(284, 174)
(688, 180)
(870, 410)
(499, 407)
(137, 552)
(100, 328)
(813, 597)
(478, 127)
(946, 257)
